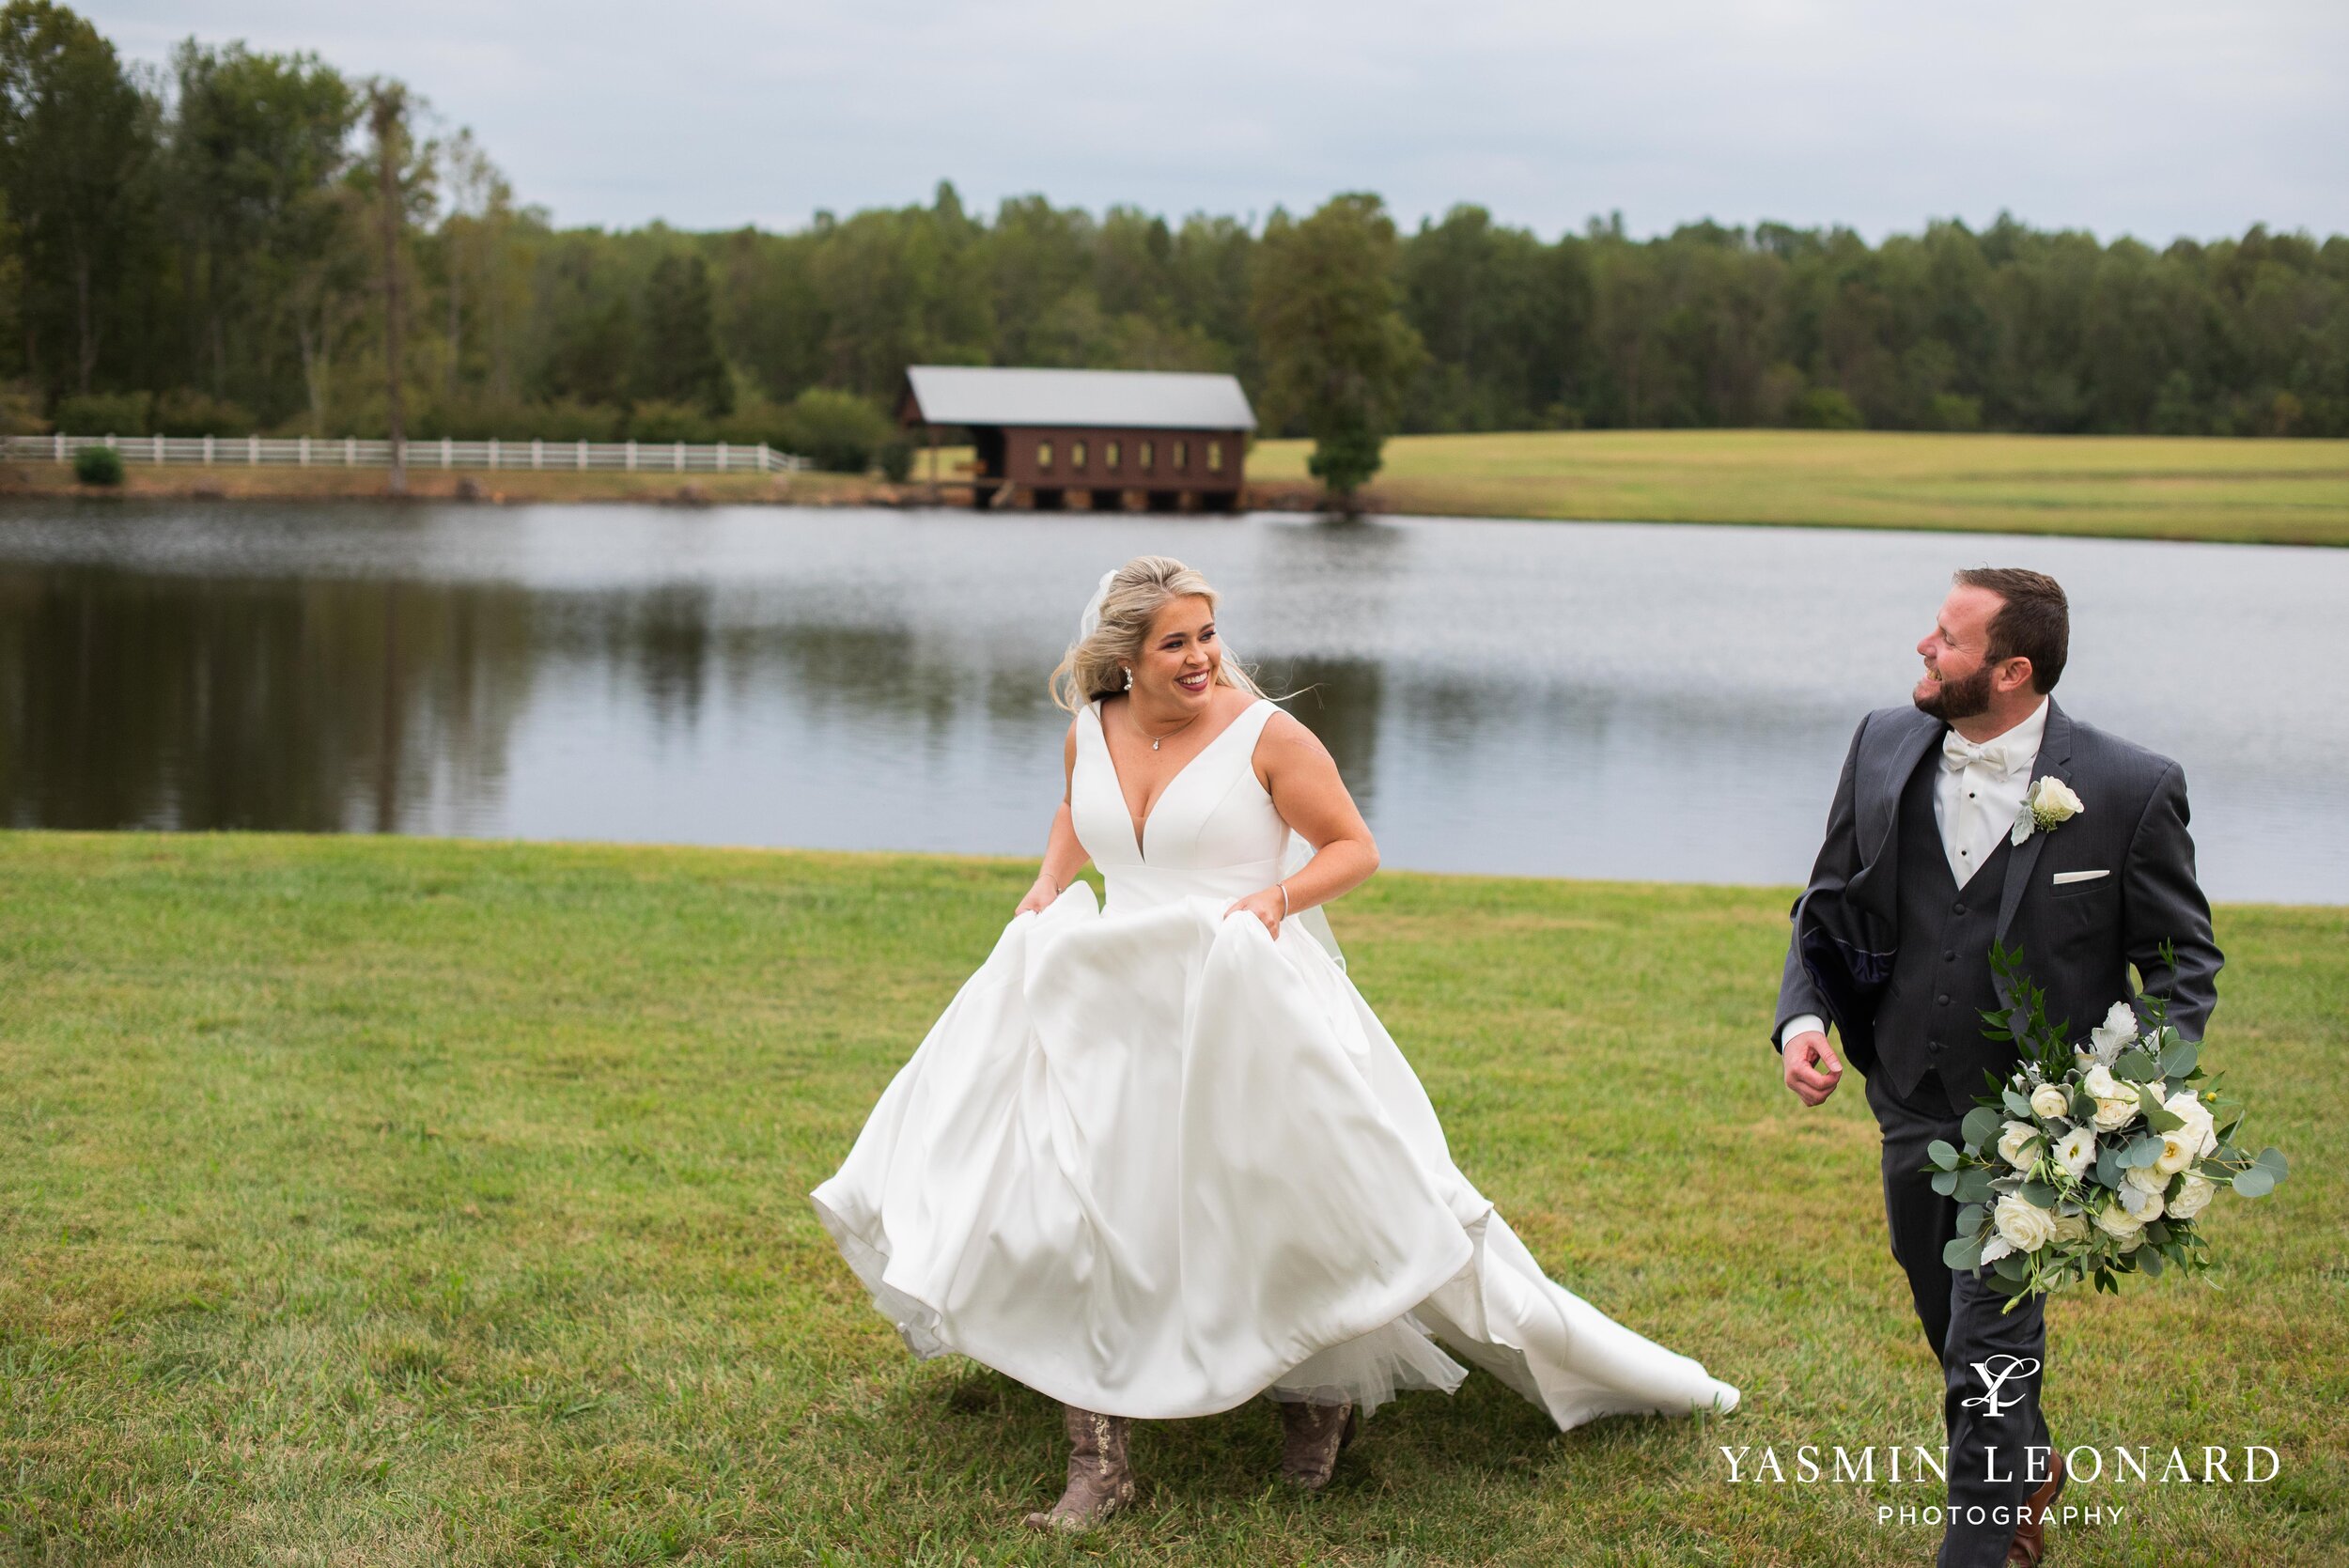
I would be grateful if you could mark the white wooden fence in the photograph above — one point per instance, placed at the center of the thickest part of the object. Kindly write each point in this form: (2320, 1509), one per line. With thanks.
(657, 456)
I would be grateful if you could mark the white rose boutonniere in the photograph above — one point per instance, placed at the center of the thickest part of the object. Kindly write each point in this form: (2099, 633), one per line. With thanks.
(2047, 1102)
(2048, 804)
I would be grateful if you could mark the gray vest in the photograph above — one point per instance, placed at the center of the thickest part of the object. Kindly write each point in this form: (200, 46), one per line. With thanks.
(1930, 1020)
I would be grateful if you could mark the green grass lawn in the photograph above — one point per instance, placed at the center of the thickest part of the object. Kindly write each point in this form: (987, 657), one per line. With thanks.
(2149, 487)
(401, 1201)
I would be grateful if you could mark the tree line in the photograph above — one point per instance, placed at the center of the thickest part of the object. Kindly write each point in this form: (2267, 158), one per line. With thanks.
(242, 241)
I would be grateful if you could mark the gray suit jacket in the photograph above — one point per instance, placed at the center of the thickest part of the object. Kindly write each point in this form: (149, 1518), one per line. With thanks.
(2078, 939)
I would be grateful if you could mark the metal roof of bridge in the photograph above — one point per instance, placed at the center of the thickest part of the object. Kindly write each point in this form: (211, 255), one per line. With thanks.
(1138, 399)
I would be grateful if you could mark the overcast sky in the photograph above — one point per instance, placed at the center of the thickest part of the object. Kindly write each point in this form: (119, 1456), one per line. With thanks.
(2153, 117)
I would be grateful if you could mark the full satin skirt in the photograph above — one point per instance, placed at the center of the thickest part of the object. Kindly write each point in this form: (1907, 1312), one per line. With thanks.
(1155, 1163)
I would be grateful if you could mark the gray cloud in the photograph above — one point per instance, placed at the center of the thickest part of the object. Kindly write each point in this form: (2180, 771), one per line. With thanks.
(2156, 117)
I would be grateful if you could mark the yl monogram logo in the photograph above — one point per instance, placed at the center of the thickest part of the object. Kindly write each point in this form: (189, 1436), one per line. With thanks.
(1996, 1373)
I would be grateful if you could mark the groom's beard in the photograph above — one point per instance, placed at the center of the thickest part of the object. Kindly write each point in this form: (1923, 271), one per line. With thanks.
(1964, 698)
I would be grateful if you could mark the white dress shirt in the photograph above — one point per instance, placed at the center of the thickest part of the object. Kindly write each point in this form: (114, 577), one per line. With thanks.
(1981, 789)
(1977, 795)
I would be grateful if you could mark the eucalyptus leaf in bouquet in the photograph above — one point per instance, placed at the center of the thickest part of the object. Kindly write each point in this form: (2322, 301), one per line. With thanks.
(2092, 1159)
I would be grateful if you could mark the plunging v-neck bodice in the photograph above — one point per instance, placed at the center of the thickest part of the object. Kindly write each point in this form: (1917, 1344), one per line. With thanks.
(1212, 828)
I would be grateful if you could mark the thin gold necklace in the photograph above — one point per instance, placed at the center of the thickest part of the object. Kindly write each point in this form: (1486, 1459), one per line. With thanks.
(1175, 731)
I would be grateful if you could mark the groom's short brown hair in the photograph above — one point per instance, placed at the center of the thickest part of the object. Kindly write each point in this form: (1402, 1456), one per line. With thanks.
(2036, 622)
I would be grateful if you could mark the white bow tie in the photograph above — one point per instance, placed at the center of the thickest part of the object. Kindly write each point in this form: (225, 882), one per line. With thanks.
(1998, 755)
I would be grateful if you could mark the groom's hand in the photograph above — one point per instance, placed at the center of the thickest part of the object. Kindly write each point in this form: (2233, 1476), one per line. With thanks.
(1811, 1070)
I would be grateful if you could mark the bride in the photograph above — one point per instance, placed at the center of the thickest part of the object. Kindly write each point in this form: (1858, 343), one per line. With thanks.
(1159, 1158)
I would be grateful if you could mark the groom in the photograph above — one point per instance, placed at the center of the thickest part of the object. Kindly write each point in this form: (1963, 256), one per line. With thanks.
(1918, 879)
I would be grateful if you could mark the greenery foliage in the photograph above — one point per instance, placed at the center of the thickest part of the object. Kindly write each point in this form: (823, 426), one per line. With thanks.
(838, 432)
(98, 465)
(2097, 1157)
(1337, 353)
(106, 413)
(212, 234)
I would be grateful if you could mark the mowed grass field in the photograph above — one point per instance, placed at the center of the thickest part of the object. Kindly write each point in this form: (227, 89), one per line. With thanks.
(407, 1201)
(2152, 487)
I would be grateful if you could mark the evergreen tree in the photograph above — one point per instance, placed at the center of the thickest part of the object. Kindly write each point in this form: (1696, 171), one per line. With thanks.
(75, 140)
(678, 358)
(1337, 353)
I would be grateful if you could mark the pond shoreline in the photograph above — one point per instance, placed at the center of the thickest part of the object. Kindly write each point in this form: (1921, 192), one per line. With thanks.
(2209, 490)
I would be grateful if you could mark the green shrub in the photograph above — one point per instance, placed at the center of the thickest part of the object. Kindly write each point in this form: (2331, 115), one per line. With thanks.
(105, 413)
(896, 460)
(657, 419)
(837, 431)
(1826, 408)
(1955, 411)
(184, 411)
(569, 419)
(1344, 458)
(98, 465)
(19, 410)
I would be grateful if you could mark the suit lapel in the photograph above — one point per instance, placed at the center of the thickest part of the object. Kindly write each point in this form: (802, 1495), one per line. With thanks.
(1882, 803)
(2055, 757)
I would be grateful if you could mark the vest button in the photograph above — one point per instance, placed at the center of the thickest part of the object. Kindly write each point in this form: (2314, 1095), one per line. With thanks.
(1932, 1045)
(1949, 957)
(1943, 998)
(1957, 909)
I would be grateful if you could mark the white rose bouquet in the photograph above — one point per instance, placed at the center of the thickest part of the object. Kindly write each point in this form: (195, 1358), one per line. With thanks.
(2097, 1160)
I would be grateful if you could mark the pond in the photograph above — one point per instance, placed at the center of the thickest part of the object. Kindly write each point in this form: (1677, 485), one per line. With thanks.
(1635, 700)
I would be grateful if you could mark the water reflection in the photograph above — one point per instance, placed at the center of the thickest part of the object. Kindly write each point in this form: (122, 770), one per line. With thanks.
(134, 701)
(1663, 702)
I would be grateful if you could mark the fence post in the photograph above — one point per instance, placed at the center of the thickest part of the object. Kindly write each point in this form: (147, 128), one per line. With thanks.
(60, 446)
(763, 456)
(493, 454)
(631, 454)
(680, 457)
(251, 451)
(583, 457)
(306, 451)
(208, 451)
(721, 457)
(351, 451)
(537, 451)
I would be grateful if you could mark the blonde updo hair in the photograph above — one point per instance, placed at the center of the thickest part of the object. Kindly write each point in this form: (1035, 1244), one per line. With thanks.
(1093, 667)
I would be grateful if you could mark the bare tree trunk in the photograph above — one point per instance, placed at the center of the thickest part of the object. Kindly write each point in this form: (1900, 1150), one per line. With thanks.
(87, 362)
(388, 105)
(455, 341)
(220, 357)
(314, 364)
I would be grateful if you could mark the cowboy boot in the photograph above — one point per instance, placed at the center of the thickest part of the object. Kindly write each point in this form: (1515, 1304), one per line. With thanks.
(1100, 1482)
(1311, 1438)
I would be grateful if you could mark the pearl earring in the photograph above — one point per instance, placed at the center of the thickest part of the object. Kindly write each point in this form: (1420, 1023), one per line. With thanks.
(1130, 677)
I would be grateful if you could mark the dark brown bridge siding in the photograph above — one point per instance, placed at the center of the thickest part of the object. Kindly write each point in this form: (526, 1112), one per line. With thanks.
(1023, 444)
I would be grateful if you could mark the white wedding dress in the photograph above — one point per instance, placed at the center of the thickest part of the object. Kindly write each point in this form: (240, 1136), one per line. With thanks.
(1153, 1162)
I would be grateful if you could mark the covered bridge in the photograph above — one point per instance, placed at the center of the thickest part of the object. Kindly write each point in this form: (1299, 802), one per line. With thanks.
(1104, 439)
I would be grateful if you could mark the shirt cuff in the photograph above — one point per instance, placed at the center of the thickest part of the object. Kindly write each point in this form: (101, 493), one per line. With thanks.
(1802, 1024)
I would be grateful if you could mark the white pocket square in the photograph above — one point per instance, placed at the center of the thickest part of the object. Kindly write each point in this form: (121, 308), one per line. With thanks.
(2064, 877)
